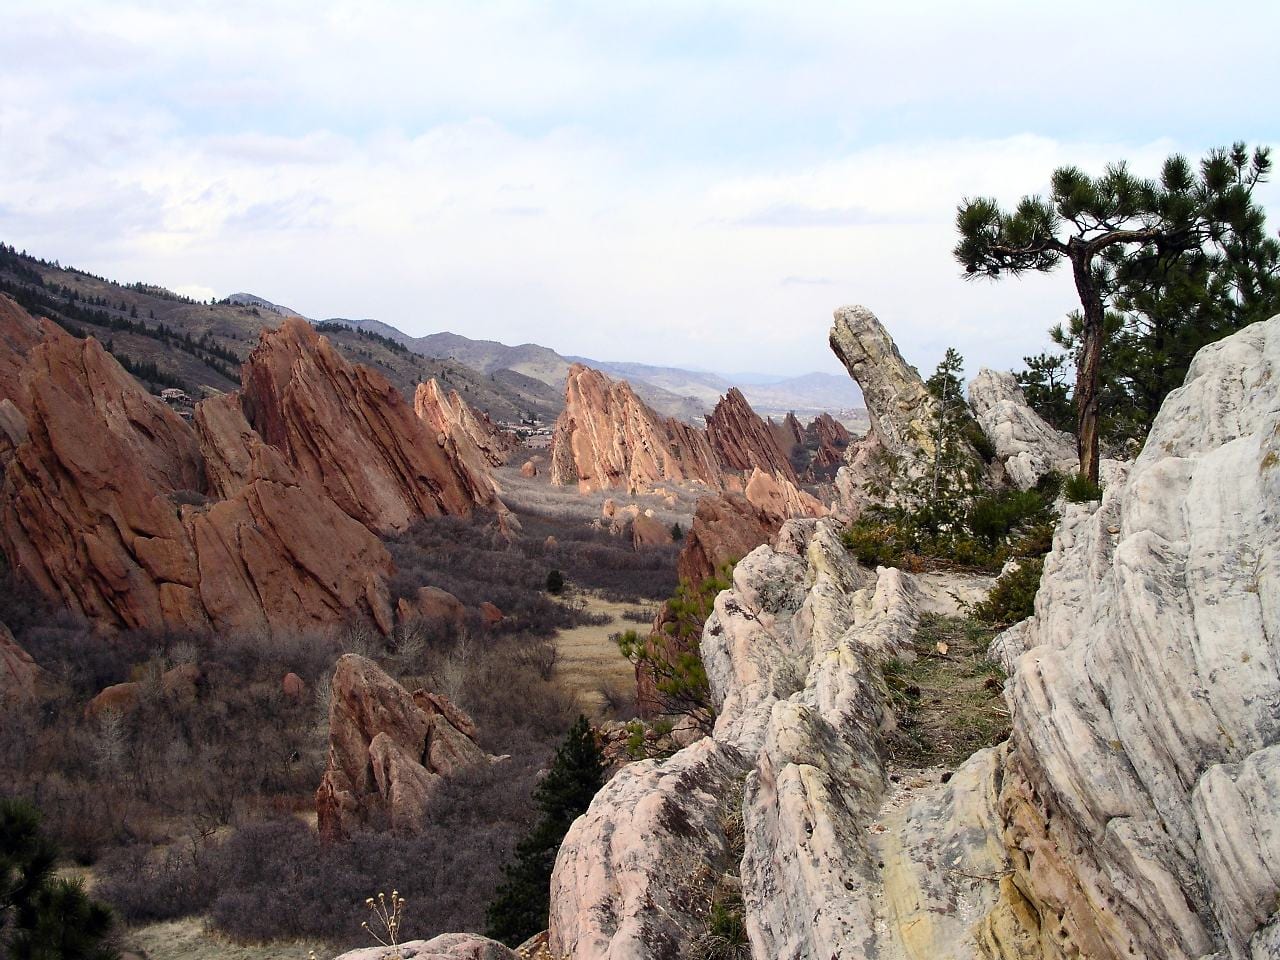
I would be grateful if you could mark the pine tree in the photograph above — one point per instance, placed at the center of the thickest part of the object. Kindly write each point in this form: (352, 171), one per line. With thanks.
(523, 901)
(1124, 238)
(41, 917)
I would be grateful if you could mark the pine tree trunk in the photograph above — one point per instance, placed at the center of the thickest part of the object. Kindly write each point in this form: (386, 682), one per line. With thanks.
(1088, 366)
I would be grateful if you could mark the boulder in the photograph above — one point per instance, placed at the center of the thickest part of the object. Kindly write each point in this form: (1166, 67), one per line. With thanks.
(528, 470)
(648, 532)
(180, 684)
(293, 687)
(607, 438)
(447, 946)
(742, 440)
(1027, 446)
(780, 498)
(433, 604)
(490, 614)
(387, 754)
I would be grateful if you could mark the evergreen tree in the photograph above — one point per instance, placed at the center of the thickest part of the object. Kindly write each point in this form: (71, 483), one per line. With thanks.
(42, 917)
(523, 901)
(1133, 245)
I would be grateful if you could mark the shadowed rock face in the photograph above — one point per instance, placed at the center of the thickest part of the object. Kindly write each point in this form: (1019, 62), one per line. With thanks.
(346, 428)
(105, 508)
(20, 678)
(1133, 811)
(607, 438)
(388, 750)
(743, 441)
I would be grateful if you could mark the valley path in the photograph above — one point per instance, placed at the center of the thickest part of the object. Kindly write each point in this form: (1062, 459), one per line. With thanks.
(589, 660)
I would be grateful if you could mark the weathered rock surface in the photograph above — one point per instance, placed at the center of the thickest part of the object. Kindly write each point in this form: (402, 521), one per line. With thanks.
(453, 416)
(742, 440)
(447, 946)
(832, 440)
(1142, 795)
(607, 438)
(1134, 811)
(347, 429)
(20, 677)
(388, 750)
(903, 413)
(1026, 445)
(432, 604)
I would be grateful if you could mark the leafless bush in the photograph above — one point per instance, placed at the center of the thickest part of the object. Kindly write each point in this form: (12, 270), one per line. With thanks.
(540, 656)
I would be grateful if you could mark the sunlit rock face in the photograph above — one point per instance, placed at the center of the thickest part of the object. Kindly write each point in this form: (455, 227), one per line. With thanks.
(743, 441)
(608, 438)
(1027, 446)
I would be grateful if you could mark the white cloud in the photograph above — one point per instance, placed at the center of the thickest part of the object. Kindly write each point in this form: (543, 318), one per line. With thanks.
(694, 183)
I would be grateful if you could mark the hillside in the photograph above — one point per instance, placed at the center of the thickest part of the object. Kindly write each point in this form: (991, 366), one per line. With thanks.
(171, 341)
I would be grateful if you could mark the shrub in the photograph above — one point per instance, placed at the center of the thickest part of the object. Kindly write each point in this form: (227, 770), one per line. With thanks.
(1078, 488)
(555, 582)
(1013, 597)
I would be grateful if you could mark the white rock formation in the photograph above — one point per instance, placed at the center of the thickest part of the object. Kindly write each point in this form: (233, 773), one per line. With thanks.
(1142, 796)
(1135, 811)
(447, 946)
(1026, 445)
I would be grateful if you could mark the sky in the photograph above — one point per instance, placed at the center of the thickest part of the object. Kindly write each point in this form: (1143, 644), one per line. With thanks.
(684, 183)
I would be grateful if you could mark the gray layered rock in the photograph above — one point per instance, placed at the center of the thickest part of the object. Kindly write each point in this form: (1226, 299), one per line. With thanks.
(1027, 446)
(447, 946)
(1141, 797)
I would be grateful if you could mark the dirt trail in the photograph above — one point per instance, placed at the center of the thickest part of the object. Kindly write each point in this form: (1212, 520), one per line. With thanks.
(589, 660)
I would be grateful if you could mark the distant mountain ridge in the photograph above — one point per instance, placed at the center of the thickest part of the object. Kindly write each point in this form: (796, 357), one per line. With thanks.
(673, 391)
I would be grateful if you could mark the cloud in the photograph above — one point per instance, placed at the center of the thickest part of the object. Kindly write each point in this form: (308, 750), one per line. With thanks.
(610, 181)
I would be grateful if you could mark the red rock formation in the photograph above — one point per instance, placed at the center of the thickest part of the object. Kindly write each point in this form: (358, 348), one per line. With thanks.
(648, 531)
(293, 687)
(20, 677)
(607, 438)
(741, 439)
(529, 470)
(831, 439)
(19, 334)
(780, 498)
(103, 508)
(388, 750)
(347, 429)
(453, 417)
(432, 604)
(179, 683)
(787, 434)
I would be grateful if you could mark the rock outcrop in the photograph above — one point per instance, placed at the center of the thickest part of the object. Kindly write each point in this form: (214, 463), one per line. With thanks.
(902, 411)
(345, 428)
(447, 946)
(1027, 446)
(105, 508)
(607, 438)
(452, 416)
(20, 678)
(788, 434)
(388, 750)
(1133, 811)
(832, 439)
(742, 440)
(780, 498)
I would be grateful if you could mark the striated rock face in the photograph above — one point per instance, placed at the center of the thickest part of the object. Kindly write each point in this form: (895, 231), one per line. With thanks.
(607, 438)
(388, 750)
(1026, 445)
(833, 439)
(1142, 795)
(742, 441)
(348, 430)
(453, 416)
(103, 508)
(1132, 812)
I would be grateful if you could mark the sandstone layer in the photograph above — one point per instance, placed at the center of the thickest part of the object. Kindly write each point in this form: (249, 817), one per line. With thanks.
(345, 428)
(1027, 446)
(743, 441)
(388, 751)
(607, 438)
